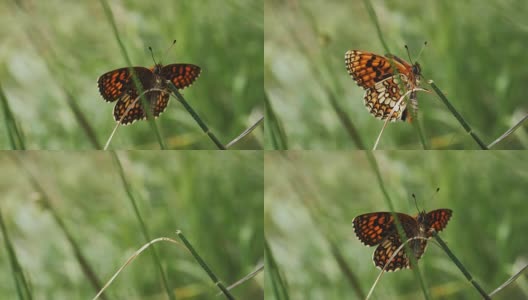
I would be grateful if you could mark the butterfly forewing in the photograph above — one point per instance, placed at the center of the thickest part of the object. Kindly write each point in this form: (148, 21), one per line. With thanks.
(114, 84)
(437, 219)
(181, 75)
(379, 78)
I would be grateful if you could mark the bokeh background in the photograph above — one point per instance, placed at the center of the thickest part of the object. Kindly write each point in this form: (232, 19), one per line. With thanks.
(214, 198)
(312, 197)
(52, 53)
(475, 55)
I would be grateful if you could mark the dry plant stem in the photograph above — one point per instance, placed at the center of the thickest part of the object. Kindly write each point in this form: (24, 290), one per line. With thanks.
(253, 273)
(387, 120)
(460, 266)
(130, 259)
(387, 264)
(457, 115)
(246, 132)
(122, 117)
(195, 116)
(508, 132)
(204, 266)
(509, 281)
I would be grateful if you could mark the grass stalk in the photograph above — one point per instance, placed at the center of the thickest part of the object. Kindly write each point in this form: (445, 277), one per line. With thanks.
(205, 266)
(274, 274)
(461, 267)
(21, 283)
(275, 129)
(137, 83)
(142, 225)
(14, 133)
(245, 133)
(195, 116)
(508, 132)
(401, 232)
(46, 200)
(374, 18)
(458, 116)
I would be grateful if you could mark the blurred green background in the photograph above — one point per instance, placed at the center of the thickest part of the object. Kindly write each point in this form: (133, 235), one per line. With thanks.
(476, 55)
(312, 197)
(214, 198)
(52, 53)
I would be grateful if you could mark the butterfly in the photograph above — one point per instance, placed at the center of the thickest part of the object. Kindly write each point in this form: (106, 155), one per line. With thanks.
(375, 74)
(379, 228)
(118, 85)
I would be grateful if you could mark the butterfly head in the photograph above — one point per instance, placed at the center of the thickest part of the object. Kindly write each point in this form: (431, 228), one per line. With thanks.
(157, 68)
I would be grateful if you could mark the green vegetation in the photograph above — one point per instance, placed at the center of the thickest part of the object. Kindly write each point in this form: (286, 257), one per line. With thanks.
(71, 222)
(475, 55)
(54, 51)
(312, 197)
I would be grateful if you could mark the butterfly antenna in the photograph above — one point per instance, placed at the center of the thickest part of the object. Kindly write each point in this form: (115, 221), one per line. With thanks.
(421, 50)
(152, 54)
(415, 202)
(409, 54)
(170, 47)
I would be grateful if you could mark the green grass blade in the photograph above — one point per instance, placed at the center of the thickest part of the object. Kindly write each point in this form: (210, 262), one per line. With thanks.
(408, 251)
(275, 130)
(144, 102)
(16, 138)
(142, 225)
(21, 283)
(274, 275)
(205, 266)
(76, 248)
(458, 116)
(196, 117)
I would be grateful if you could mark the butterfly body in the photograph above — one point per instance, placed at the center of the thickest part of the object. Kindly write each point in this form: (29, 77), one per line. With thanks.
(118, 85)
(375, 74)
(379, 228)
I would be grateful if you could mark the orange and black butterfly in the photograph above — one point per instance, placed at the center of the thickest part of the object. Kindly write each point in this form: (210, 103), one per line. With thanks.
(118, 85)
(379, 228)
(375, 74)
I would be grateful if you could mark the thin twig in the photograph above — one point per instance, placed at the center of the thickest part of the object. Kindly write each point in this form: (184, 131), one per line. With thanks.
(246, 132)
(258, 269)
(508, 132)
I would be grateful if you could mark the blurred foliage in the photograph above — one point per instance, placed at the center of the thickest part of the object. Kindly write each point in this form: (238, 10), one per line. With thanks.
(52, 53)
(312, 197)
(475, 54)
(214, 198)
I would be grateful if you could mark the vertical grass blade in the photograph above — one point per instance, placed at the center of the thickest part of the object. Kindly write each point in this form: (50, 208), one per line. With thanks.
(401, 233)
(76, 248)
(274, 276)
(144, 102)
(275, 130)
(21, 283)
(142, 225)
(205, 266)
(16, 139)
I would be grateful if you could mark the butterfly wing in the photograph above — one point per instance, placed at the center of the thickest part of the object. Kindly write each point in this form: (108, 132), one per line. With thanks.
(437, 219)
(114, 84)
(372, 228)
(382, 99)
(181, 75)
(367, 68)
